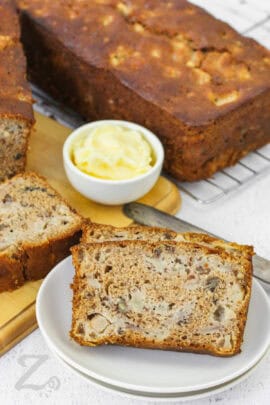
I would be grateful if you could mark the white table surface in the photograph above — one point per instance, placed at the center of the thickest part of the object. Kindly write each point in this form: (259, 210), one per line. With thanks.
(29, 373)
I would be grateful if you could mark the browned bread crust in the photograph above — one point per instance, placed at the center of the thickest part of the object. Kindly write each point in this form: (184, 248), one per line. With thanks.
(130, 293)
(37, 229)
(192, 79)
(11, 274)
(16, 113)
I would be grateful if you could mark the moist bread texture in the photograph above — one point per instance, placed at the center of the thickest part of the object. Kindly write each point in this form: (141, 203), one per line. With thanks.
(16, 114)
(199, 85)
(164, 295)
(37, 229)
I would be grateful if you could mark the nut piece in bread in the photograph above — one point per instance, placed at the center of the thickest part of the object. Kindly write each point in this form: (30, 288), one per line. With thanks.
(164, 295)
(37, 229)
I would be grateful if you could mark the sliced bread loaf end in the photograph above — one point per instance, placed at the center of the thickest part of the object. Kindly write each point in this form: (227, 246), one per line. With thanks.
(37, 229)
(16, 112)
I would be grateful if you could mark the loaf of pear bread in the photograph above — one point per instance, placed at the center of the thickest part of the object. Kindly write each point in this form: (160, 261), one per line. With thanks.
(37, 229)
(203, 88)
(16, 113)
(162, 295)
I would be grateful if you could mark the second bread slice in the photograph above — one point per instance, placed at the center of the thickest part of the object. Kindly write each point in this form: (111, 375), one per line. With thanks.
(92, 233)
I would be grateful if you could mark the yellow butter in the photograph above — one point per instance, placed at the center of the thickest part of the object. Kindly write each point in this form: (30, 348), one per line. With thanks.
(113, 153)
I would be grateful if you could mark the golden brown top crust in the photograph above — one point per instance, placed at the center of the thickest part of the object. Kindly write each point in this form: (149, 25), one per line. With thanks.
(172, 53)
(15, 95)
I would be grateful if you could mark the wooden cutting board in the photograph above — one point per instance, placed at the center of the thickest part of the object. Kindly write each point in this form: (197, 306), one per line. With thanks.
(17, 315)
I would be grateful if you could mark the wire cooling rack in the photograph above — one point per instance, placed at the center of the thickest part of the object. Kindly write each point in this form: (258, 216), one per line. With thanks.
(251, 18)
(226, 181)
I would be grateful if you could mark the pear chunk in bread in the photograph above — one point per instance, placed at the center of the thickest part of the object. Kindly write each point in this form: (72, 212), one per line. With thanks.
(164, 295)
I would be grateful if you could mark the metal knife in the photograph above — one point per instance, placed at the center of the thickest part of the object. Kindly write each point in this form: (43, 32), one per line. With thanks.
(146, 215)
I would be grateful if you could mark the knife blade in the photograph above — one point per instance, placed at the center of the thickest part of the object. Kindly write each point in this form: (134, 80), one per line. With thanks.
(146, 215)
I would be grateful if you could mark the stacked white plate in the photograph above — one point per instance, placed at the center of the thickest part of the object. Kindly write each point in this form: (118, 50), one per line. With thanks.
(148, 374)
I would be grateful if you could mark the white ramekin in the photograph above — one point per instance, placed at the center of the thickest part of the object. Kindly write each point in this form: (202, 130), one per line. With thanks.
(113, 192)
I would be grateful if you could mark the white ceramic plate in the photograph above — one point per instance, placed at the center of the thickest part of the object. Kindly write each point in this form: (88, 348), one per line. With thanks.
(152, 371)
(188, 396)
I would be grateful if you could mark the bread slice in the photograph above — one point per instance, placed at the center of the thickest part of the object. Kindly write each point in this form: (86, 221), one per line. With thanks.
(37, 228)
(166, 295)
(16, 113)
(92, 233)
